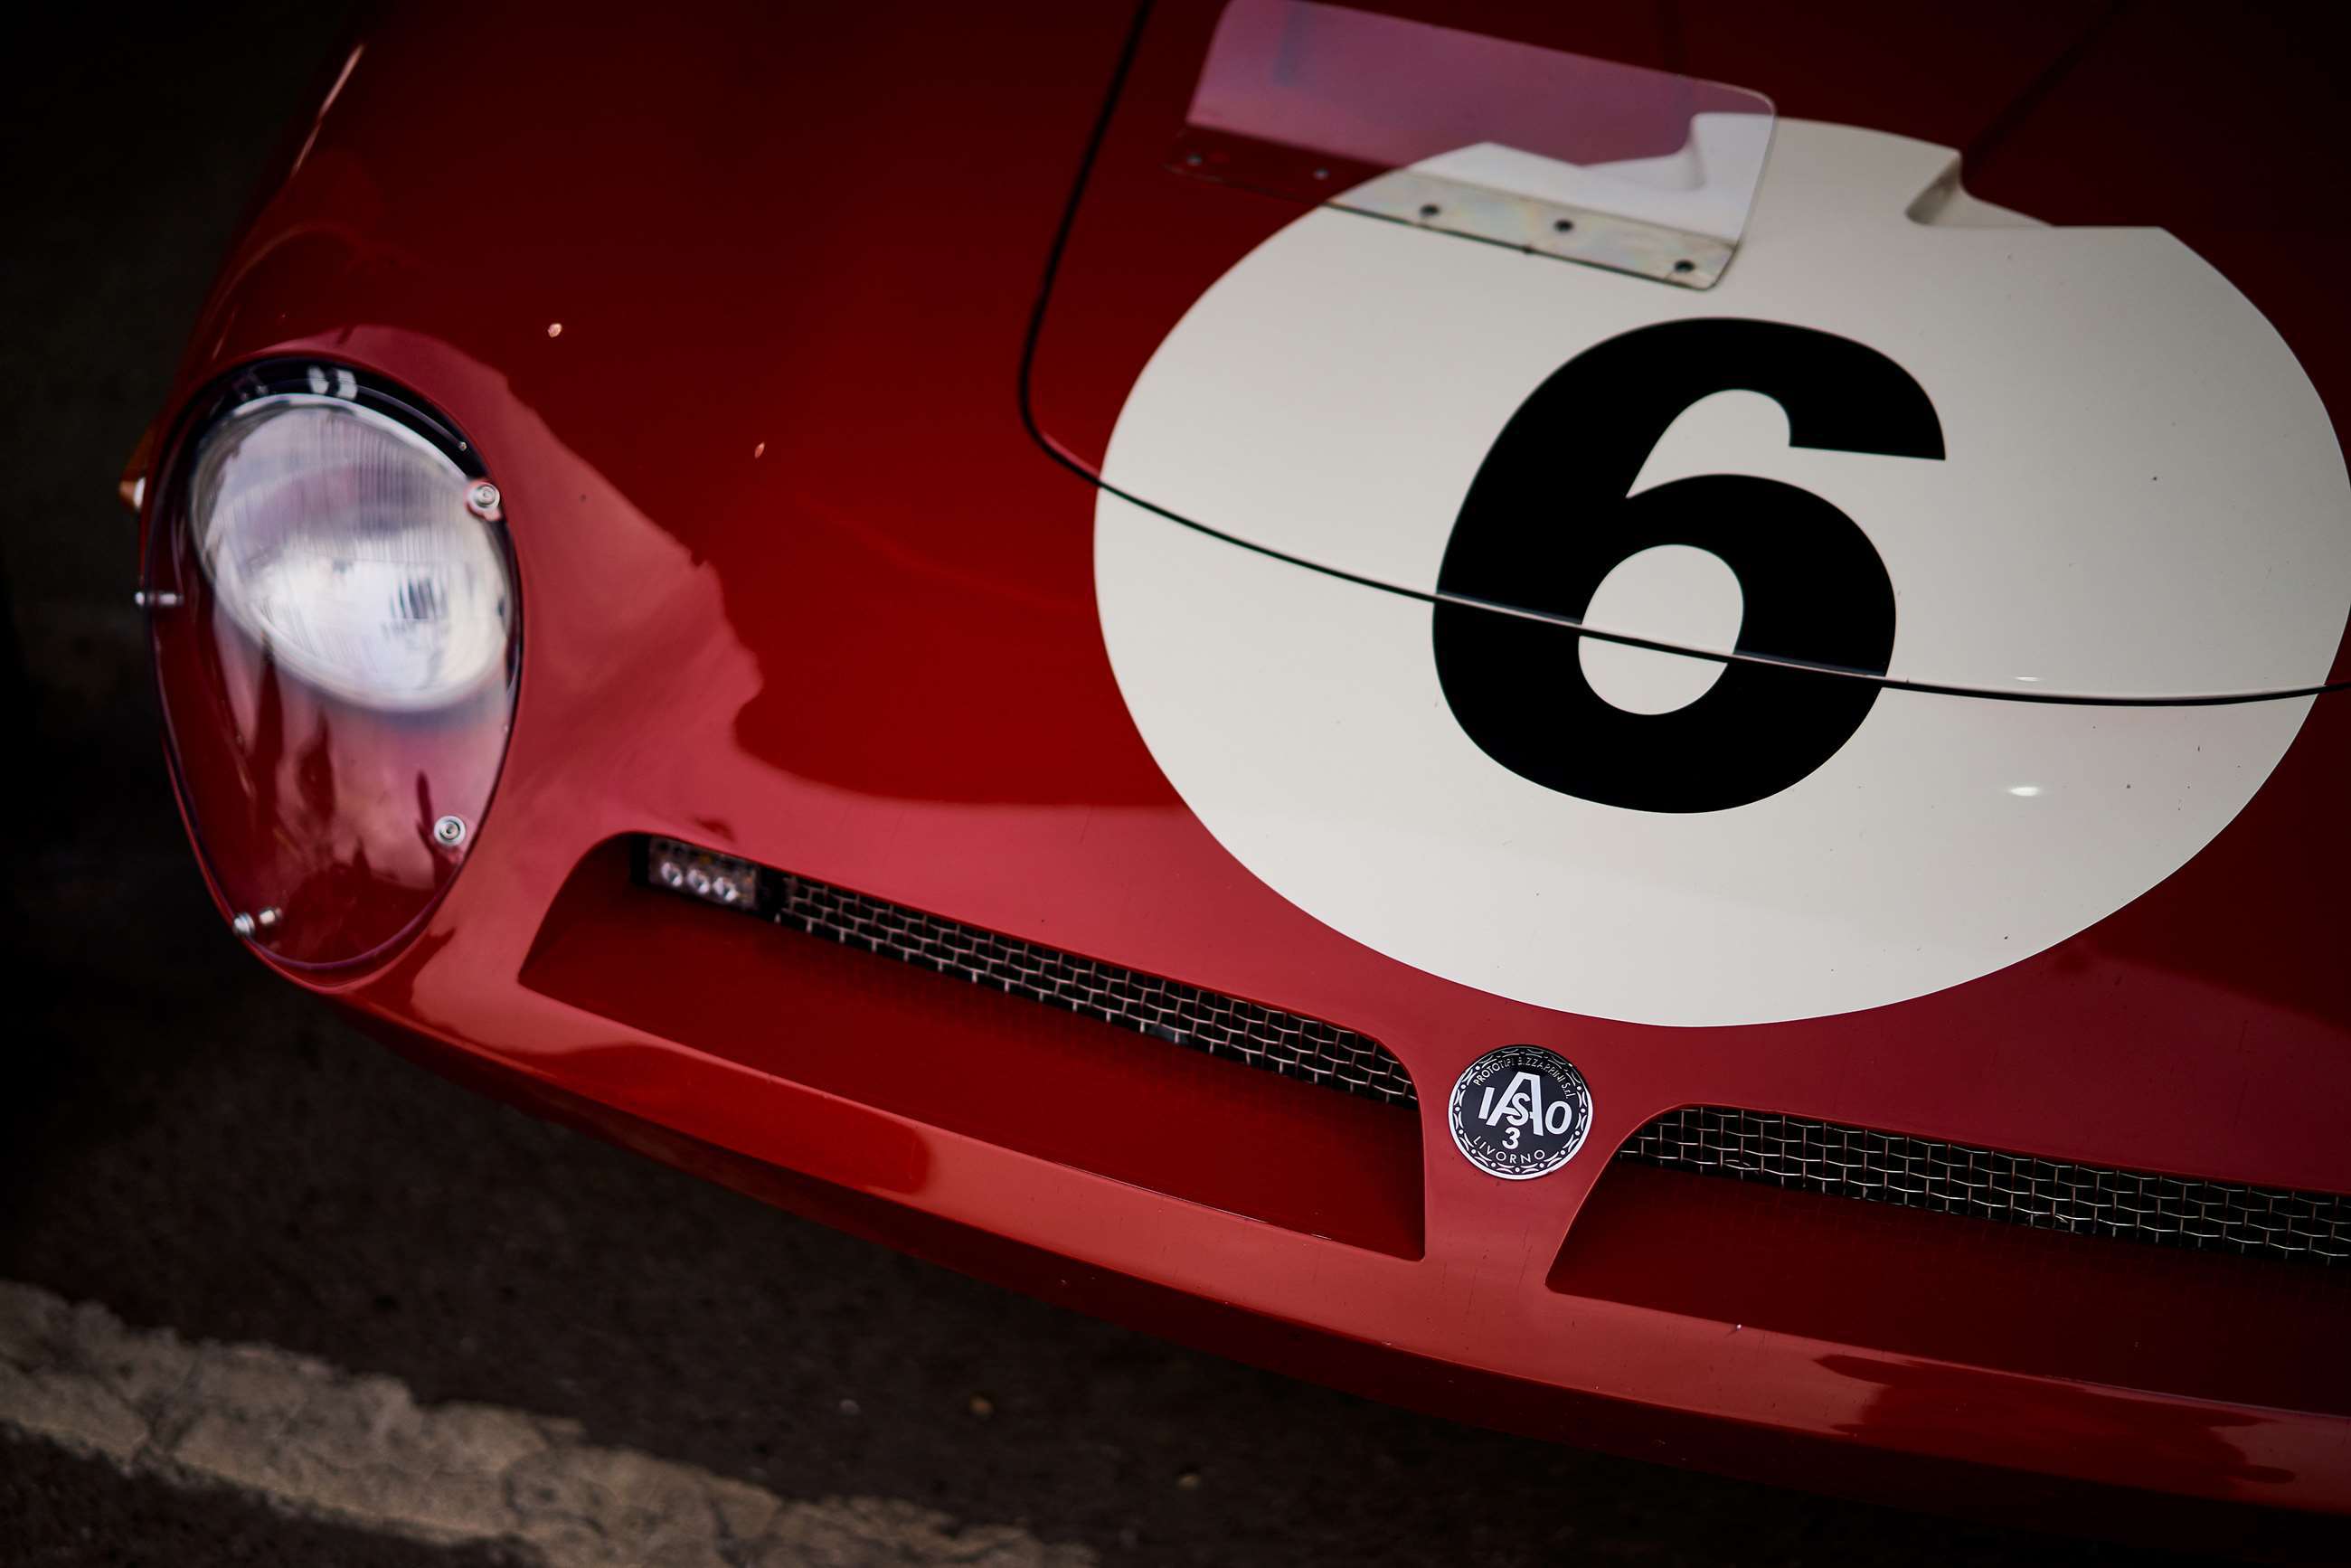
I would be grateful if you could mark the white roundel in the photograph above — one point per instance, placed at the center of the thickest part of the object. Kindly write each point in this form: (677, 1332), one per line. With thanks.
(2139, 493)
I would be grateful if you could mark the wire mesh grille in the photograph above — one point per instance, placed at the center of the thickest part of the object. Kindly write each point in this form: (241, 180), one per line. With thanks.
(1294, 1046)
(1989, 1183)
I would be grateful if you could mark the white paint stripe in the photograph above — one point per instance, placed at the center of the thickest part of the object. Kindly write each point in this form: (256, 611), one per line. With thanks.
(361, 1450)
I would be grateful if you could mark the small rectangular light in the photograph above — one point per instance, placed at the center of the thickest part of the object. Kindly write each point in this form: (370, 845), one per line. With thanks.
(713, 878)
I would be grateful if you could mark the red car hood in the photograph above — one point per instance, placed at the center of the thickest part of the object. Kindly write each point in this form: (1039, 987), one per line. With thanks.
(740, 336)
(2131, 489)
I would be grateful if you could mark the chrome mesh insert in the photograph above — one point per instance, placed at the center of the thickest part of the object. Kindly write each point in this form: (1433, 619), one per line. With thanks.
(1989, 1183)
(1296, 1046)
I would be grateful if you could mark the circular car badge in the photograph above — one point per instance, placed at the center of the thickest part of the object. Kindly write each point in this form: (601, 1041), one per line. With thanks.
(1520, 1112)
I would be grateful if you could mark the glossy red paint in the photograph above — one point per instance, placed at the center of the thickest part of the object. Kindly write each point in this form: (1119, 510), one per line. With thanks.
(802, 589)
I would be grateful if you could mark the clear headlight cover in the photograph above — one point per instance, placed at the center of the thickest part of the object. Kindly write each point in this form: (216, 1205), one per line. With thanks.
(340, 543)
(338, 646)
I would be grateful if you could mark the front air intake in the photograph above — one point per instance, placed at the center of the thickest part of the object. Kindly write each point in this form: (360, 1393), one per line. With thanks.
(1992, 1184)
(1262, 1037)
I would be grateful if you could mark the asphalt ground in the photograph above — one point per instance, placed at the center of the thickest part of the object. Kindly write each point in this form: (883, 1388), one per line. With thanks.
(213, 1160)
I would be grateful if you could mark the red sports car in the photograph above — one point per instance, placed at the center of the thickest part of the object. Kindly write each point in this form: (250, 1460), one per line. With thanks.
(1622, 720)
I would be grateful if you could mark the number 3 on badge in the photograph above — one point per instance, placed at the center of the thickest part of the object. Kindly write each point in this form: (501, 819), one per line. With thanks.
(1520, 1112)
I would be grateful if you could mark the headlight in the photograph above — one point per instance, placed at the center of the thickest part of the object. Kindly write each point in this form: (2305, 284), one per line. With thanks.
(336, 641)
(341, 542)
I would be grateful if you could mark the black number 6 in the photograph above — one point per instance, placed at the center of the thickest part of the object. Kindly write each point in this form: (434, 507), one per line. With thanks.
(1547, 519)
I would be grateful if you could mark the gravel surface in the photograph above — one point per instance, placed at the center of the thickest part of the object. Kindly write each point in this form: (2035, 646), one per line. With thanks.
(59, 1509)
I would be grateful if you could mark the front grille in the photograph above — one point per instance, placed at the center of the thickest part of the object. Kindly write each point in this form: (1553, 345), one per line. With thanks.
(1989, 1183)
(1283, 1042)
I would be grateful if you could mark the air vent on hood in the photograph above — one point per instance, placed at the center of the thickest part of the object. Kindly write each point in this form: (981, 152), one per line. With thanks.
(1990, 1183)
(1277, 1041)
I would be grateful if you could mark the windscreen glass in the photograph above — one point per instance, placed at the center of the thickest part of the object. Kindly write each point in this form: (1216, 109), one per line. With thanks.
(1481, 137)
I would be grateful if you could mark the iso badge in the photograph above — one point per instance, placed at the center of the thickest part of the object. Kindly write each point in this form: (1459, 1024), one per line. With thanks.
(1520, 1112)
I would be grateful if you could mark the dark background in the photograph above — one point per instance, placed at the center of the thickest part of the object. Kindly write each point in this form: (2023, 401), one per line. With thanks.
(197, 1146)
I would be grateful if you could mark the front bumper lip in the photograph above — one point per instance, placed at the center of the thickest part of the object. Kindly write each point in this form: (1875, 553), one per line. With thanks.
(1484, 1328)
(1648, 1384)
